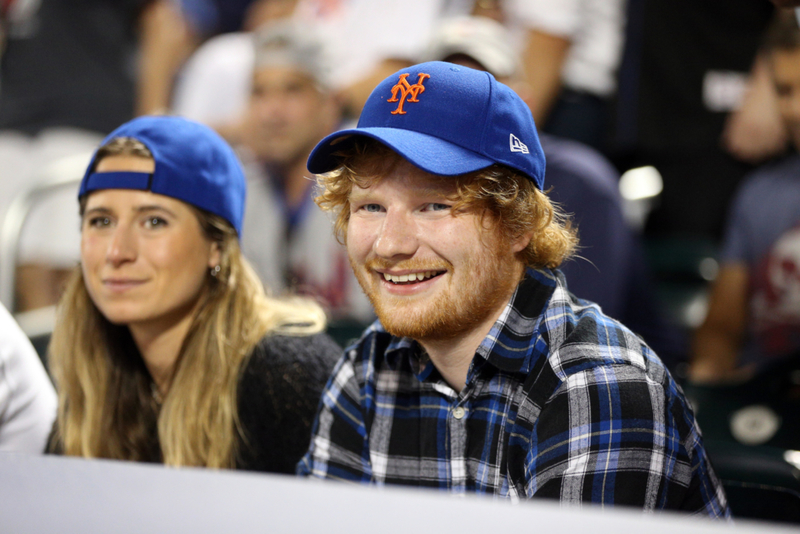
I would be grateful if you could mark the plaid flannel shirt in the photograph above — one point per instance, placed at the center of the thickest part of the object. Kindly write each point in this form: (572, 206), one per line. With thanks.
(560, 401)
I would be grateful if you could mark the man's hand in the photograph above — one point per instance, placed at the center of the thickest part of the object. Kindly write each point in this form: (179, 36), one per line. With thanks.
(715, 350)
(755, 131)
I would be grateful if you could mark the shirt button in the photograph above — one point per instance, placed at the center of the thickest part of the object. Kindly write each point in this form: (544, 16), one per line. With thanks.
(458, 412)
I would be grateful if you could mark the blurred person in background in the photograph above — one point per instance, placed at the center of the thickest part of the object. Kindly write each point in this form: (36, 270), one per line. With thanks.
(27, 398)
(685, 69)
(571, 50)
(166, 348)
(173, 29)
(365, 39)
(290, 106)
(67, 78)
(754, 311)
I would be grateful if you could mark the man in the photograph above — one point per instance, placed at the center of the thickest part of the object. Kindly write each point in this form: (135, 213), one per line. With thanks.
(754, 310)
(291, 108)
(483, 373)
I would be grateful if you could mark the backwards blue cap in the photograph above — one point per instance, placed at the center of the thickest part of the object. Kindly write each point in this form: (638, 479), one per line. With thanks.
(193, 164)
(446, 120)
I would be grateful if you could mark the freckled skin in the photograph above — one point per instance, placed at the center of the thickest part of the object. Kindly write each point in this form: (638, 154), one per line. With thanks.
(404, 224)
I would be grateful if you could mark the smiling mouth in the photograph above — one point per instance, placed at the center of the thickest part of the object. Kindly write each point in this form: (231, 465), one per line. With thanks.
(411, 278)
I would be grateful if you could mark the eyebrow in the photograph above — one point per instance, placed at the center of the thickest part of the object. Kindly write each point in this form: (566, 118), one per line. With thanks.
(441, 191)
(102, 210)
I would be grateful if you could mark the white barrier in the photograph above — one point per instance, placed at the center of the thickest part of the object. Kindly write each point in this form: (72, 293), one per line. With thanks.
(67, 495)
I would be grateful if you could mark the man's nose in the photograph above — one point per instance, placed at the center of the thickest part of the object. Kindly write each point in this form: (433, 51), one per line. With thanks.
(397, 235)
(123, 247)
(269, 108)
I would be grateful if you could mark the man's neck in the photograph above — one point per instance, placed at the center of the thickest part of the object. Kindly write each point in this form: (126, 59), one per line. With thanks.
(453, 356)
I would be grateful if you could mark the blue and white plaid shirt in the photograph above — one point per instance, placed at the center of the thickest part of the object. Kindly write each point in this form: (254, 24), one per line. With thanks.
(560, 401)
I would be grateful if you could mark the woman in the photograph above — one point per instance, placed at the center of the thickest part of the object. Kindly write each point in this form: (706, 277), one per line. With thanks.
(166, 348)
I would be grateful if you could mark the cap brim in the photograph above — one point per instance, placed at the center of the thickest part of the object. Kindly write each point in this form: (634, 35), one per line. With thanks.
(429, 153)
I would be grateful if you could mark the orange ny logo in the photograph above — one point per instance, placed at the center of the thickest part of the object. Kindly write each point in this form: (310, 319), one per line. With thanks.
(405, 90)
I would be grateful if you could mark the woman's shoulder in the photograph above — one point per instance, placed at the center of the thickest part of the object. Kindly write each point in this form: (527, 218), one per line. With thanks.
(279, 392)
(293, 347)
(312, 355)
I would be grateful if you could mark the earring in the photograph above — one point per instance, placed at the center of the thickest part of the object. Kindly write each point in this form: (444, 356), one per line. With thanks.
(215, 271)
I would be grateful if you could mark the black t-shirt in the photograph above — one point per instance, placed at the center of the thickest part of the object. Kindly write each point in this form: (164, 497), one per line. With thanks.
(682, 41)
(72, 63)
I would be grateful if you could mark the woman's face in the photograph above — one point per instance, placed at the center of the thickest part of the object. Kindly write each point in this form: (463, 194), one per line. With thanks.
(144, 256)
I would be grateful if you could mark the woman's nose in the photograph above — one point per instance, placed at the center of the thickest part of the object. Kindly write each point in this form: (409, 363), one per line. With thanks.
(122, 247)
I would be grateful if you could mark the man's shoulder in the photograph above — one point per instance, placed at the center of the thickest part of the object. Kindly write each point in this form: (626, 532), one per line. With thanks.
(371, 345)
(770, 174)
(771, 189)
(581, 338)
(284, 355)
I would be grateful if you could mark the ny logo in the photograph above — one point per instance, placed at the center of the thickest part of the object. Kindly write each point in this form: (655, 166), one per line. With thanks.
(405, 90)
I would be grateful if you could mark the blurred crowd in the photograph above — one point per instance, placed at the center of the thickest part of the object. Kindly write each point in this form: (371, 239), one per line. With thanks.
(694, 104)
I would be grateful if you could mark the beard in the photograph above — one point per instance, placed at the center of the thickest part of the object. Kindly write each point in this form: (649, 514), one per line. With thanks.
(486, 285)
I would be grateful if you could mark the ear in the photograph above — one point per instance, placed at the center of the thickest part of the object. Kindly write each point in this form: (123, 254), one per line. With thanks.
(520, 243)
(214, 254)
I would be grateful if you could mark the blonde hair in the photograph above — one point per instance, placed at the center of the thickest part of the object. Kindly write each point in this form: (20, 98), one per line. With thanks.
(106, 405)
(509, 196)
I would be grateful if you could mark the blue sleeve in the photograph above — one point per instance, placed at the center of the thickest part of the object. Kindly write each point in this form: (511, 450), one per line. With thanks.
(734, 245)
(339, 446)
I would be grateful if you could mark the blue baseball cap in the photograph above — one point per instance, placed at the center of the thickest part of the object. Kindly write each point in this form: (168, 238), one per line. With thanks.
(447, 120)
(192, 163)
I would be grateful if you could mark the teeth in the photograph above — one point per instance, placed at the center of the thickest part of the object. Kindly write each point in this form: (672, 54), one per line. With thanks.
(413, 277)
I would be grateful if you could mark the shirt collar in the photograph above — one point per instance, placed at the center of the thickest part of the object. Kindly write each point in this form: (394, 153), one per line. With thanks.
(405, 347)
(514, 344)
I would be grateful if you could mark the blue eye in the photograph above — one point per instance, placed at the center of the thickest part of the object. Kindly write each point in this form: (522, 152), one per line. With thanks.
(436, 206)
(98, 222)
(372, 208)
(155, 222)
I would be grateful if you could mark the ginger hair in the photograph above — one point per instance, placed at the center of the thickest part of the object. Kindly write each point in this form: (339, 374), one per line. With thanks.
(504, 193)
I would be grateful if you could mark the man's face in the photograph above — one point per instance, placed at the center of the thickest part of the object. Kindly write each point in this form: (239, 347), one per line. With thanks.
(430, 273)
(786, 72)
(288, 115)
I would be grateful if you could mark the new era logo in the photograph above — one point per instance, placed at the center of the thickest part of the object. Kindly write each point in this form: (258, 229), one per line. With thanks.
(517, 145)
